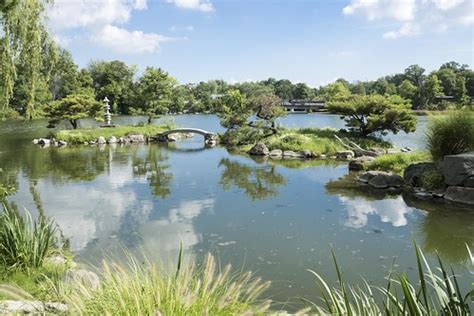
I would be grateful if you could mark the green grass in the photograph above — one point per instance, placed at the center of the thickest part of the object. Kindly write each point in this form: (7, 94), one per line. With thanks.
(436, 291)
(397, 163)
(79, 136)
(318, 141)
(451, 134)
(141, 288)
(24, 242)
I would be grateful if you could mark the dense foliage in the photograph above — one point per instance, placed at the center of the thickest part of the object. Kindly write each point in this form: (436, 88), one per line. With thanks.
(367, 114)
(74, 107)
(450, 135)
(34, 71)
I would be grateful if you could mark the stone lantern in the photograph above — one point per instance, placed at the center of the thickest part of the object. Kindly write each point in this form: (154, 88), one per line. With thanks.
(107, 114)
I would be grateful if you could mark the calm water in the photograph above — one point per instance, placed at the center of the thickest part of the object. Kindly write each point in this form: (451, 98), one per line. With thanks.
(277, 219)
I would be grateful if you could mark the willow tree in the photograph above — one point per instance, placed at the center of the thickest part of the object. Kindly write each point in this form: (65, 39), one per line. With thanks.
(21, 51)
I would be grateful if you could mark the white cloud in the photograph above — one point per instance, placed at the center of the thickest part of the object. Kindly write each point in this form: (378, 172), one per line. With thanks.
(406, 30)
(199, 5)
(401, 10)
(66, 14)
(188, 28)
(100, 21)
(129, 42)
(415, 16)
(140, 4)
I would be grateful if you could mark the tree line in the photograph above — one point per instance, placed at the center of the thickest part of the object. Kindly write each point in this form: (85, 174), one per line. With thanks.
(40, 79)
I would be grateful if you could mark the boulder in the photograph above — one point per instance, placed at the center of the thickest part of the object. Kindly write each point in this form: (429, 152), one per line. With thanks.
(86, 278)
(101, 140)
(62, 143)
(366, 176)
(259, 149)
(386, 180)
(44, 141)
(345, 154)
(458, 168)
(112, 140)
(35, 141)
(276, 153)
(469, 182)
(136, 138)
(292, 154)
(11, 307)
(423, 195)
(322, 156)
(460, 195)
(413, 173)
(305, 154)
(360, 163)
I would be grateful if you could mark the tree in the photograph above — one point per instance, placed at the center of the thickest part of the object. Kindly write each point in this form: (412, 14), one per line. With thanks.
(407, 90)
(302, 92)
(155, 90)
(64, 79)
(375, 113)
(432, 89)
(234, 111)
(268, 108)
(460, 91)
(113, 80)
(336, 91)
(284, 89)
(73, 108)
(448, 80)
(415, 74)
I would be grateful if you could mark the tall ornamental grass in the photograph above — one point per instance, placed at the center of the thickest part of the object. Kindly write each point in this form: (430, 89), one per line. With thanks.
(451, 134)
(435, 292)
(24, 242)
(140, 288)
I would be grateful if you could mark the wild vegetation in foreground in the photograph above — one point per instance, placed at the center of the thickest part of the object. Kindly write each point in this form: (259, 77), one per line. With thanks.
(141, 288)
(79, 136)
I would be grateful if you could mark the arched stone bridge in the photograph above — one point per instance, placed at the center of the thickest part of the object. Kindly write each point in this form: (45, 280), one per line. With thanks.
(209, 137)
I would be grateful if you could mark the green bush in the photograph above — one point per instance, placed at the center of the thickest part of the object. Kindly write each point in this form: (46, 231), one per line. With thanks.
(24, 242)
(451, 134)
(397, 163)
(432, 180)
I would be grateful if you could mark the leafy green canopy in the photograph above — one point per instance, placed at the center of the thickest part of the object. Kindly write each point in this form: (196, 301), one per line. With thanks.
(369, 114)
(75, 107)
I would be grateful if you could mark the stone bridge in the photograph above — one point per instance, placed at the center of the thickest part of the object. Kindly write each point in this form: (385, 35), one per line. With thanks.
(209, 137)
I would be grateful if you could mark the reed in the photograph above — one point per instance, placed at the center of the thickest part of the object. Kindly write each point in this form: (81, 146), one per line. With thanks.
(24, 242)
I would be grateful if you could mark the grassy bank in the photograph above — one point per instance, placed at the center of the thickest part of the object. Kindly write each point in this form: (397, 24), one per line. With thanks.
(317, 140)
(397, 163)
(79, 136)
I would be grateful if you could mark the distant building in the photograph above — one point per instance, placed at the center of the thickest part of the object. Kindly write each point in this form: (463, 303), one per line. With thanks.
(303, 106)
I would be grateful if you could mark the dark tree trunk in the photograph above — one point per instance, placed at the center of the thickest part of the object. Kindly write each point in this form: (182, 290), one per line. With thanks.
(73, 123)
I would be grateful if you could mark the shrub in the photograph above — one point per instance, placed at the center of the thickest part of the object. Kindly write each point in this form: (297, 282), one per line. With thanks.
(24, 242)
(397, 163)
(432, 179)
(140, 288)
(451, 135)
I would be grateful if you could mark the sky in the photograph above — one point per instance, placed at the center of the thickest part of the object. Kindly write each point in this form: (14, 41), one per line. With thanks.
(311, 41)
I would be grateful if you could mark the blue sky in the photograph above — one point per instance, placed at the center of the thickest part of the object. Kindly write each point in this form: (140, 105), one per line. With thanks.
(312, 41)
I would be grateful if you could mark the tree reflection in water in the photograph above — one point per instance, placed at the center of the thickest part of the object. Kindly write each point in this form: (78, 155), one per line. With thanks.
(258, 182)
(153, 167)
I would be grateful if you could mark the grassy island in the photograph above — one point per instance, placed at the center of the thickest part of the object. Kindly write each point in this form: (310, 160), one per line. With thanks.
(79, 136)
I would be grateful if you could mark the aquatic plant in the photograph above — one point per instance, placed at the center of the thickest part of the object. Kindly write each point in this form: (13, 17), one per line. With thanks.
(24, 242)
(436, 292)
(141, 288)
(451, 134)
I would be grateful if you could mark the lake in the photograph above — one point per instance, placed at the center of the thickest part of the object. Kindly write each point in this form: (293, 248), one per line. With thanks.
(277, 219)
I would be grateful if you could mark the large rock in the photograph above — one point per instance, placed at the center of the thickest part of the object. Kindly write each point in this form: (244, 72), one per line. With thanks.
(112, 140)
(384, 181)
(306, 154)
(292, 154)
(414, 172)
(366, 176)
(360, 163)
(86, 278)
(10, 307)
(458, 168)
(460, 195)
(101, 140)
(259, 149)
(276, 153)
(469, 182)
(44, 141)
(345, 154)
(135, 138)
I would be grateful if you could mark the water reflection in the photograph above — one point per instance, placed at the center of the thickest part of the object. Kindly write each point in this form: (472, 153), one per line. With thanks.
(258, 182)
(443, 229)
